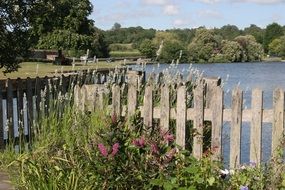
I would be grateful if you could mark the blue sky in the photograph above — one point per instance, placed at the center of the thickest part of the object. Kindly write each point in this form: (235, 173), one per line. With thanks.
(168, 14)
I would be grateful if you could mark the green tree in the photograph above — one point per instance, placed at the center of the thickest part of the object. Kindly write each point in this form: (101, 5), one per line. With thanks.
(171, 51)
(251, 50)
(203, 46)
(255, 31)
(148, 48)
(13, 33)
(272, 32)
(277, 47)
(64, 24)
(229, 32)
(231, 51)
(171, 47)
(116, 26)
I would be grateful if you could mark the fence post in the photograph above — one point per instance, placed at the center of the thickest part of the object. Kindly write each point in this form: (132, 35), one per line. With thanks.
(278, 120)
(116, 100)
(164, 108)
(198, 121)
(2, 144)
(211, 84)
(10, 115)
(20, 107)
(29, 93)
(132, 92)
(236, 128)
(148, 103)
(256, 124)
(77, 97)
(217, 122)
(181, 117)
(38, 97)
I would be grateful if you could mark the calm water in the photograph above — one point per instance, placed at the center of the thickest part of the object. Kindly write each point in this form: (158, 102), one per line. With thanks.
(266, 76)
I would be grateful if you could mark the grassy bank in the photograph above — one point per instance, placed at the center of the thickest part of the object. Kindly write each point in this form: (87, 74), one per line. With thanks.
(34, 69)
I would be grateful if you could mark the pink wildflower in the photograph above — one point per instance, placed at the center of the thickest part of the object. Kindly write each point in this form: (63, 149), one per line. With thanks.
(103, 150)
(139, 142)
(170, 154)
(154, 148)
(115, 149)
(114, 118)
(168, 137)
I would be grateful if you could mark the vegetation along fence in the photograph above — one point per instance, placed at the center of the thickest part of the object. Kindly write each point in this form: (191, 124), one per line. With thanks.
(22, 101)
(198, 101)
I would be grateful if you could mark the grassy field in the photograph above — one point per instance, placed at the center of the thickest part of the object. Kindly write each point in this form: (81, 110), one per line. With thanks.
(34, 69)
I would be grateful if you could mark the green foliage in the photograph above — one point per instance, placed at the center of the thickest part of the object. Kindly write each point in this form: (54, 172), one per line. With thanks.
(277, 47)
(134, 35)
(148, 49)
(251, 50)
(192, 174)
(272, 32)
(229, 32)
(231, 51)
(203, 45)
(13, 33)
(172, 50)
(71, 15)
(255, 31)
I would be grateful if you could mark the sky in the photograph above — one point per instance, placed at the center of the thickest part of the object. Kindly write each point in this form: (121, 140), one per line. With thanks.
(169, 14)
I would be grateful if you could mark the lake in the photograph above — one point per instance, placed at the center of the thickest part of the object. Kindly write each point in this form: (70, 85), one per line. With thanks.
(266, 76)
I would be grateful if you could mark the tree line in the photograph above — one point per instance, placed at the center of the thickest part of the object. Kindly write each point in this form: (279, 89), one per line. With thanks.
(65, 25)
(225, 44)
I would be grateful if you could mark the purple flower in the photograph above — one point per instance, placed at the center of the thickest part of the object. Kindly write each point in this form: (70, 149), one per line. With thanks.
(103, 150)
(139, 142)
(115, 149)
(154, 148)
(243, 188)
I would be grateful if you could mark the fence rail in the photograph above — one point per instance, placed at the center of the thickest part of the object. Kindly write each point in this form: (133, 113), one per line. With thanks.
(208, 105)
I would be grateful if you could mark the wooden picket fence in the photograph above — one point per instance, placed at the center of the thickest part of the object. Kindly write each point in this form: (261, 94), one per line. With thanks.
(208, 105)
(26, 99)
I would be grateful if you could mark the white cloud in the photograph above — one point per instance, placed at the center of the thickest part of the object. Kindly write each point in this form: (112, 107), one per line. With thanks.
(155, 2)
(210, 14)
(170, 10)
(182, 22)
(261, 1)
(208, 1)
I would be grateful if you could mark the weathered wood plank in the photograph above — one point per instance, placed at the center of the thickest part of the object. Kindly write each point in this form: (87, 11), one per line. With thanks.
(267, 115)
(132, 93)
(20, 108)
(256, 126)
(164, 108)
(116, 100)
(211, 84)
(10, 116)
(181, 117)
(30, 113)
(38, 97)
(236, 124)
(198, 121)
(2, 145)
(77, 97)
(148, 105)
(278, 120)
(217, 123)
